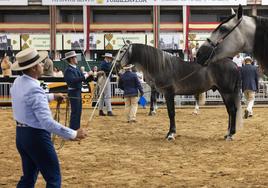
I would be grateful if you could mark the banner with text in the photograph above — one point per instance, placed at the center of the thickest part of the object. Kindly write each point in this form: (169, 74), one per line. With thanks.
(145, 2)
(115, 41)
(14, 2)
(37, 41)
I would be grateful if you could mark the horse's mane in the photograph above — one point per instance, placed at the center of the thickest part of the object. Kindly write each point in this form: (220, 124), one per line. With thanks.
(157, 60)
(261, 40)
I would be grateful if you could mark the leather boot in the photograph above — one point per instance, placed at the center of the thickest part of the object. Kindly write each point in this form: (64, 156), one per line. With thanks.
(110, 113)
(101, 113)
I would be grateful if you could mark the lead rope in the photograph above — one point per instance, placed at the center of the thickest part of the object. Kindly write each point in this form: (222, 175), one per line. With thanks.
(58, 141)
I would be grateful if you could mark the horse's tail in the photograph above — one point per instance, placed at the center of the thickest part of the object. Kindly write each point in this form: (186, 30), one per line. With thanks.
(202, 98)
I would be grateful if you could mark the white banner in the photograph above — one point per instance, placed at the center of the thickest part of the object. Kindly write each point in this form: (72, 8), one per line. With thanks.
(264, 2)
(37, 41)
(114, 41)
(13, 2)
(59, 41)
(11, 41)
(73, 41)
(96, 41)
(144, 2)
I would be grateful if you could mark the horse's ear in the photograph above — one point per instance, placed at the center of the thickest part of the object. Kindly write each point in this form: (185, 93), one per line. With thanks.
(232, 11)
(240, 12)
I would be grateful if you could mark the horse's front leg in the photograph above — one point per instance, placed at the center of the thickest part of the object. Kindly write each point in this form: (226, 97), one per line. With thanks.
(232, 103)
(171, 114)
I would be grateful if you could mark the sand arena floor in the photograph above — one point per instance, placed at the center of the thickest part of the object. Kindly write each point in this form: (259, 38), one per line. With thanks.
(118, 154)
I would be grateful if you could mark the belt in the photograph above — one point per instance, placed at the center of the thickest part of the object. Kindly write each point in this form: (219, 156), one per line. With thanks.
(21, 124)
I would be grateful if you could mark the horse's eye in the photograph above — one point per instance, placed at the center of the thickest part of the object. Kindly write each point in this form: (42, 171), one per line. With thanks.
(223, 29)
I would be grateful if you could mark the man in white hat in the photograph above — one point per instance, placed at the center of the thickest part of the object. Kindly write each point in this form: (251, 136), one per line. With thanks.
(74, 78)
(106, 66)
(35, 123)
(131, 85)
(250, 80)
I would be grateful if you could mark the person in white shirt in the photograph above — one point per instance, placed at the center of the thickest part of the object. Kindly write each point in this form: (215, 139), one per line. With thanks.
(35, 123)
(239, 60)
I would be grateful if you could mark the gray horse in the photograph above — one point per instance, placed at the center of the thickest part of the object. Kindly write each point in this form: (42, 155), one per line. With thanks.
(239, 33)
(173, 76)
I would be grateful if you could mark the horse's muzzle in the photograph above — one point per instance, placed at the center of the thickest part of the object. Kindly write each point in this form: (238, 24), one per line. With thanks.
(204, 55)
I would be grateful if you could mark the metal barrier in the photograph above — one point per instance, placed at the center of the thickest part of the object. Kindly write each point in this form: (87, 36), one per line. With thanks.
(117, 94)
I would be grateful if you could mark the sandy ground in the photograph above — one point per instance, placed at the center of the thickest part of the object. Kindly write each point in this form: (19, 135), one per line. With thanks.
(118, 154)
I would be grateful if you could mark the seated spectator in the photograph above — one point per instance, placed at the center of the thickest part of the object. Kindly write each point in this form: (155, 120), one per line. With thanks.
(6, 67)
(57, 72)
(48, 67)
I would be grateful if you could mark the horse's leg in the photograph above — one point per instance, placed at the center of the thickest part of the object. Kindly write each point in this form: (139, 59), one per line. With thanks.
(171, 114)
(233, 106)
(196, 108)
(153, 102)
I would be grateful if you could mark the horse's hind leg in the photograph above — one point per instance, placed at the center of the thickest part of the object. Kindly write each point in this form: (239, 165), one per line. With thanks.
(171, 114)
(232, 104)
(153, 102)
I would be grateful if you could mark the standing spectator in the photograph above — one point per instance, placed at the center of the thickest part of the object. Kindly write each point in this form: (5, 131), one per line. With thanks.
(48, 66)
(82, 68)
(238, 59)
(194, 51)
(249, 76)
(10, 54)
(95, 73)
(6, 67)
(106, 66)
(35, 123)
(130, 83)
(74, 78)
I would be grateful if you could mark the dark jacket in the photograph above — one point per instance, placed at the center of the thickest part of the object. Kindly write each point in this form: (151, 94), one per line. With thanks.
(130, 83)
(249, 77)
(106, 67)
(73, 77)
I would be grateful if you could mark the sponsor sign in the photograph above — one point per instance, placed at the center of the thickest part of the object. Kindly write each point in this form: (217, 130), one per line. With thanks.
(37, 41)
(144, 2)
(14, 2)
(115, 41)
(73, 41)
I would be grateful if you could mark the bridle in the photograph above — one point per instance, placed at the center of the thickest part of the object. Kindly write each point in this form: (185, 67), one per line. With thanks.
(215, 45)
(119, 60)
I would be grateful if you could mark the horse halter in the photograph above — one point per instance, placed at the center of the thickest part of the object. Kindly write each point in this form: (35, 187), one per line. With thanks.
(119, 60)
(215, 45)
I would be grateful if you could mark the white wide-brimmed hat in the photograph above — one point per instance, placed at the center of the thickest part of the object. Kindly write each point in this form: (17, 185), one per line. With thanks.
(129, 66)
(108, 55)
(69, 55)
(248, 58)
(28, 58)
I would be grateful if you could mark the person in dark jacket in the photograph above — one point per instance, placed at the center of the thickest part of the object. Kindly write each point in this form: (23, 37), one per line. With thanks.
(249, 77)
(106, 66)
(131, 85)
(74, 78)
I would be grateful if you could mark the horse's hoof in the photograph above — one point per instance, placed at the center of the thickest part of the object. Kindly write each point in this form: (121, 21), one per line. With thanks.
(228, 138)
(170, 137)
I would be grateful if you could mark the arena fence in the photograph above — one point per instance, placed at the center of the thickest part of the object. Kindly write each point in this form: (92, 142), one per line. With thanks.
(117, 94)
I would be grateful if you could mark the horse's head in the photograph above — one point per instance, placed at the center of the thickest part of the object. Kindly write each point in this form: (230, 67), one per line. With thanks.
(230, 37)
(122, 57)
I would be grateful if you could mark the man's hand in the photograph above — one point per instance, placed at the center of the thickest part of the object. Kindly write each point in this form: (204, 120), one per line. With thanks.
(59, 97)
(81, 134)
(90, 73)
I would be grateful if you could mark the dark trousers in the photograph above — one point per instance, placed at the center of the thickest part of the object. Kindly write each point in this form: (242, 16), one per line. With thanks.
(76, 108)
(37, 154)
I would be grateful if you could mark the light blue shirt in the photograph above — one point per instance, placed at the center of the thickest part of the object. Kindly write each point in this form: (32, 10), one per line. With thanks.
(30, 106)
